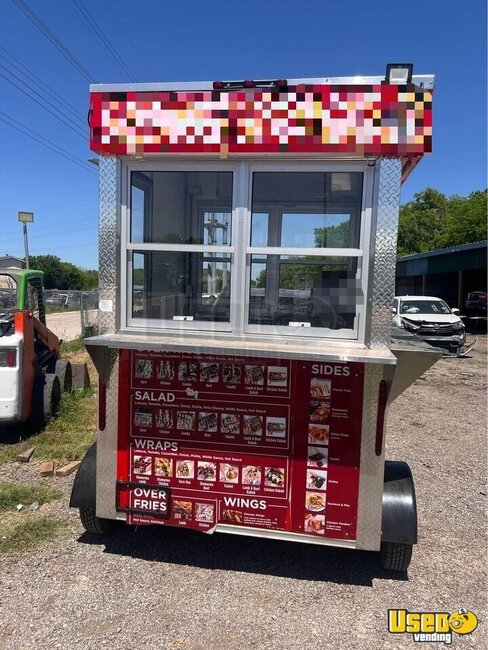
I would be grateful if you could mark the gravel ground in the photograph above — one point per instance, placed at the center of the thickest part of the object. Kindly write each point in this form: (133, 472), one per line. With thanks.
(155, 588)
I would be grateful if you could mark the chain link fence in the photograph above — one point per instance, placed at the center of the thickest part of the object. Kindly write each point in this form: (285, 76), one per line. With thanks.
(85, 303)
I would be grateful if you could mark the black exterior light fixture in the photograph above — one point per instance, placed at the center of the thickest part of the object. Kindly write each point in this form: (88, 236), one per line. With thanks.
(399, 73)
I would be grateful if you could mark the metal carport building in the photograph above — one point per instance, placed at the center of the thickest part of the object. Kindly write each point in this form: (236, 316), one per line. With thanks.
(449, 273)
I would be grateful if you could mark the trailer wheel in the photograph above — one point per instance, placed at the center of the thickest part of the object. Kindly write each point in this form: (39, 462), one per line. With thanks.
(396, 556)
(95, 525)
(64, 372)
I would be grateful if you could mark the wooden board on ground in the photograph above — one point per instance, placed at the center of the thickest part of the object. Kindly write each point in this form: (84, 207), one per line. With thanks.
(24, 456)
(47, 468)
(68, 469)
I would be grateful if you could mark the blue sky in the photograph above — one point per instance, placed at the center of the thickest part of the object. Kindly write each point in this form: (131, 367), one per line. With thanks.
(166, 41)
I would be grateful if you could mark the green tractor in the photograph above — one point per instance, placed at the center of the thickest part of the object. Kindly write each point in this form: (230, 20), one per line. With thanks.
(32, 375)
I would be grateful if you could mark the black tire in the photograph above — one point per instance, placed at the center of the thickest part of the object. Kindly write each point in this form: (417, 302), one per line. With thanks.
(64, 372)
(396, 556)
(52, 396)
(46, 399)
(94, 525)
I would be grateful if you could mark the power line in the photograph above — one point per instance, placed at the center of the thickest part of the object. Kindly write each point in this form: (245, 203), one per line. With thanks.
(51, 36)
(67, 205)
(66, 231)
(91, 242)
(102, 38)
(128, 38)
(49, 235)
(80, 129)
(68, 124)
(55, 248)
(45, 142)
(39, 82)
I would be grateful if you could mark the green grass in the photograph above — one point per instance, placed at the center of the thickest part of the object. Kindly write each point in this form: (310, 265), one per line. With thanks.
(71, 347)
(12, 494)
(66, 437)
(28, 534)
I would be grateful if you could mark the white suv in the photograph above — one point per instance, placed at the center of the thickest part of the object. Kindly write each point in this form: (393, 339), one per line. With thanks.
(432, 320)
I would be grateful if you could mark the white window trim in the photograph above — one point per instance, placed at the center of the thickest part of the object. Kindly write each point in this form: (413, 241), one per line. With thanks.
(181, 248)
(358, 333)
(317, 252)
(128, 322)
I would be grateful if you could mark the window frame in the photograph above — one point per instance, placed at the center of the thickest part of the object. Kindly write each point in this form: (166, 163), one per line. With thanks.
(361, 253)
(16, 287)
(128, 248)
(35, 299)
(241, 249)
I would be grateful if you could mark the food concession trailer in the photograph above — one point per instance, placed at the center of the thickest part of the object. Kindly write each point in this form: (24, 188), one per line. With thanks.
(245, 357)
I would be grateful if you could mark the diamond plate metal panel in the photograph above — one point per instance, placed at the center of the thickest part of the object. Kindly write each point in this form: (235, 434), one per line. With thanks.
(385, 248)
(108, 201)
(107, 439)
(372, 466)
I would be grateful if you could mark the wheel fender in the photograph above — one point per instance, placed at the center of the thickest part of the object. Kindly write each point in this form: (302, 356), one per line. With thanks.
(83, 493)
(399, 519)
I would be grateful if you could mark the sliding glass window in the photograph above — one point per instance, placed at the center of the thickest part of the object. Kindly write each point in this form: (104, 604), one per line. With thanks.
(304, 258)
(180, 248)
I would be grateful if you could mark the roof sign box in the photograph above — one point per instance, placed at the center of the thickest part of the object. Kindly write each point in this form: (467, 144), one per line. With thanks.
(308, 118)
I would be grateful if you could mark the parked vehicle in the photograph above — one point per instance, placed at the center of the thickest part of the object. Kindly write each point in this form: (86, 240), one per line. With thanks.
(432, 320)
(476, 304)
(32, 376)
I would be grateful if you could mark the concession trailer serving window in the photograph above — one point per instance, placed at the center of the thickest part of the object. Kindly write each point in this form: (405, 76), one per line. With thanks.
(247, 248)
(179, 252)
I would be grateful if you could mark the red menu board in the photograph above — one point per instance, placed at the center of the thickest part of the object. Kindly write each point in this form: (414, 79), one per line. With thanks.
(262, 443)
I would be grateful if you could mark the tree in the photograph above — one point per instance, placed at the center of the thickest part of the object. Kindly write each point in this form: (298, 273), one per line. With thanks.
(466, 219)
(333, 236)
(422, 223)
(57, 274)
(299, 272)
(90, 279)
(432, 220)
(260, 280)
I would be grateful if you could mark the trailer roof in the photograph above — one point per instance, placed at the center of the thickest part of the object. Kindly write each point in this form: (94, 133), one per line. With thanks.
(425, 82)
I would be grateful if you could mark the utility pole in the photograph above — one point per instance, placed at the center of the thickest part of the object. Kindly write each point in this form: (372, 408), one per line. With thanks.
(25, 218)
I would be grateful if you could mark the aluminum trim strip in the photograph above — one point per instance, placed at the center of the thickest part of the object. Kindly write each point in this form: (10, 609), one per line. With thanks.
(107, 441)
(319, 252)
(282, 535)
(370, 497)
(423, 81)
(384, 246)
(234, 347)
(164, 325)
(180, 248)
(108, 206)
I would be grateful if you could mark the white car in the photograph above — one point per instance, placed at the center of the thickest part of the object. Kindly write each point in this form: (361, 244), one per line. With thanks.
(432, 320)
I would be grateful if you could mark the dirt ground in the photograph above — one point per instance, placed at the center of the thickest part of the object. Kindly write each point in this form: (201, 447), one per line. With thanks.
(67, 325)
(168, 588)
